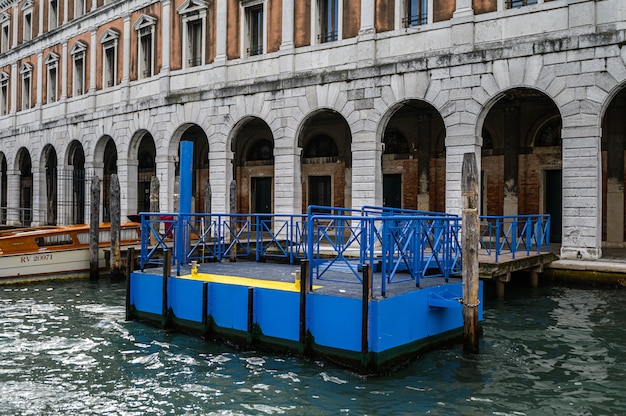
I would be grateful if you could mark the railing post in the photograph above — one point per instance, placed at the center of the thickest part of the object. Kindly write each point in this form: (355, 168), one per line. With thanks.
(498, 231)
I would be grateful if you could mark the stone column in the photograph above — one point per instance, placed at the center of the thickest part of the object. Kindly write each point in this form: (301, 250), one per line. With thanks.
(367, 172)
(220, 177)
(42, 5)
(126, 189)
(459, 141)
(511, 164)
(165, 167)
(463, 8)
(39, 92)
(64, 62)
(16, 15)
(582, 188)
(287, 177)
(615, 176)
(92, 61)
(40, 198)
(164, 81)
(13, 202)
(221, 32)
(423, 161)
(126, 61)
(367, 17)
(287, 24)
(126, 51)
(14, 76)
(287, 45)
(129, 186)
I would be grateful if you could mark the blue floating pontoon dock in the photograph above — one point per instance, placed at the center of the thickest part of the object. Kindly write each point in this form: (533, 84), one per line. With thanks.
(369, 289)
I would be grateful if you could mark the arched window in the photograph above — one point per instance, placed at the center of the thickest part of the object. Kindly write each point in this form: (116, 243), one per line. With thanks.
(321, 146)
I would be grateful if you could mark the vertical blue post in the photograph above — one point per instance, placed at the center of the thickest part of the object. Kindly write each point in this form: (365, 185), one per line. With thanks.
(184, 206)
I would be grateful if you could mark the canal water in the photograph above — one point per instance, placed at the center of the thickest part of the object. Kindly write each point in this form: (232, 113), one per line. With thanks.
(65, 349)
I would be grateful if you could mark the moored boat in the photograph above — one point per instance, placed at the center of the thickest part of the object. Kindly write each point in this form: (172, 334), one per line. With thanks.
(47, 252)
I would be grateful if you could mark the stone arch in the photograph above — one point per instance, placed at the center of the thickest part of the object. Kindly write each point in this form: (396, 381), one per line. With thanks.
(326, 179)
(141, 169)
(50, 188)
(23, 167)
(196, 134)
(252, 146)
(77, 183)
(515, 119)
(613, 151)
(410, 168)
(105, 165)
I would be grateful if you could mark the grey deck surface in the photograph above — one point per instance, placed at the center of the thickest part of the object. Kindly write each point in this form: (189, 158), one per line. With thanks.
(336, 282)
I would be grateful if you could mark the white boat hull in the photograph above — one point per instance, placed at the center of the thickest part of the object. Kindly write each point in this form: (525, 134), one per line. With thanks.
(47, 265)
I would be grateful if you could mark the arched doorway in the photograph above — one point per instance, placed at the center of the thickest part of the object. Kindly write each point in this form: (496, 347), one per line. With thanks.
(326, 160)
(253, 148)
(413, 163)
(146, 169)
(51, 184)
(613, 172)
(76, 179)
(24, 164)
(109, 168)
(522, 157)
(200, 167)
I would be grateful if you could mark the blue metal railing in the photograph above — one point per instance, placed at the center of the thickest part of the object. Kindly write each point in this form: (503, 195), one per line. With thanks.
(403, 247)
(401, 244)
(514, 234)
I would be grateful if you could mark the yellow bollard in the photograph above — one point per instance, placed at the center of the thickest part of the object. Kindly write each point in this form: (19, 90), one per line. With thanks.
(296, 276)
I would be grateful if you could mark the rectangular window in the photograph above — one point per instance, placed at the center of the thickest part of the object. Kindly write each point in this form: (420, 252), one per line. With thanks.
(26, 90)
(511, 4)
(28, 27)
(109, 66)
(145, 53)
(254, 35)
(79, 75)
(329, 20)
(4, 97)
(53, 18)
(194, 42)
(416, 13)
(4, 38)
(52, 84)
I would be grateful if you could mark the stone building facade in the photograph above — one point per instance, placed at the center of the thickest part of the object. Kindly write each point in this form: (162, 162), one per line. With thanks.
(348, 103)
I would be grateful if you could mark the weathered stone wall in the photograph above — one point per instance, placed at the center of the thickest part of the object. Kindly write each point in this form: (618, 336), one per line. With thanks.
(573, 53)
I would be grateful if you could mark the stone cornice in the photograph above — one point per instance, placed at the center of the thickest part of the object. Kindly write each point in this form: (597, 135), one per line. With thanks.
(6, 4)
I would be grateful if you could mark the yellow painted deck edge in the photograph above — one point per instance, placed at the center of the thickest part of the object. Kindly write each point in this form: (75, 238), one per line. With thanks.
(246, 281)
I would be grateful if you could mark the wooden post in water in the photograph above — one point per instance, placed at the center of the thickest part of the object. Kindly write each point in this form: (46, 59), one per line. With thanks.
(469, 192)
(130, 268)
(114, 203)
(233, 210)
(154, 204)
(94, 229)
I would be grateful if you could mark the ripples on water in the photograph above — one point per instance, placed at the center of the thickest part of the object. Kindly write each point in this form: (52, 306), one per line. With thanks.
(65, 349)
